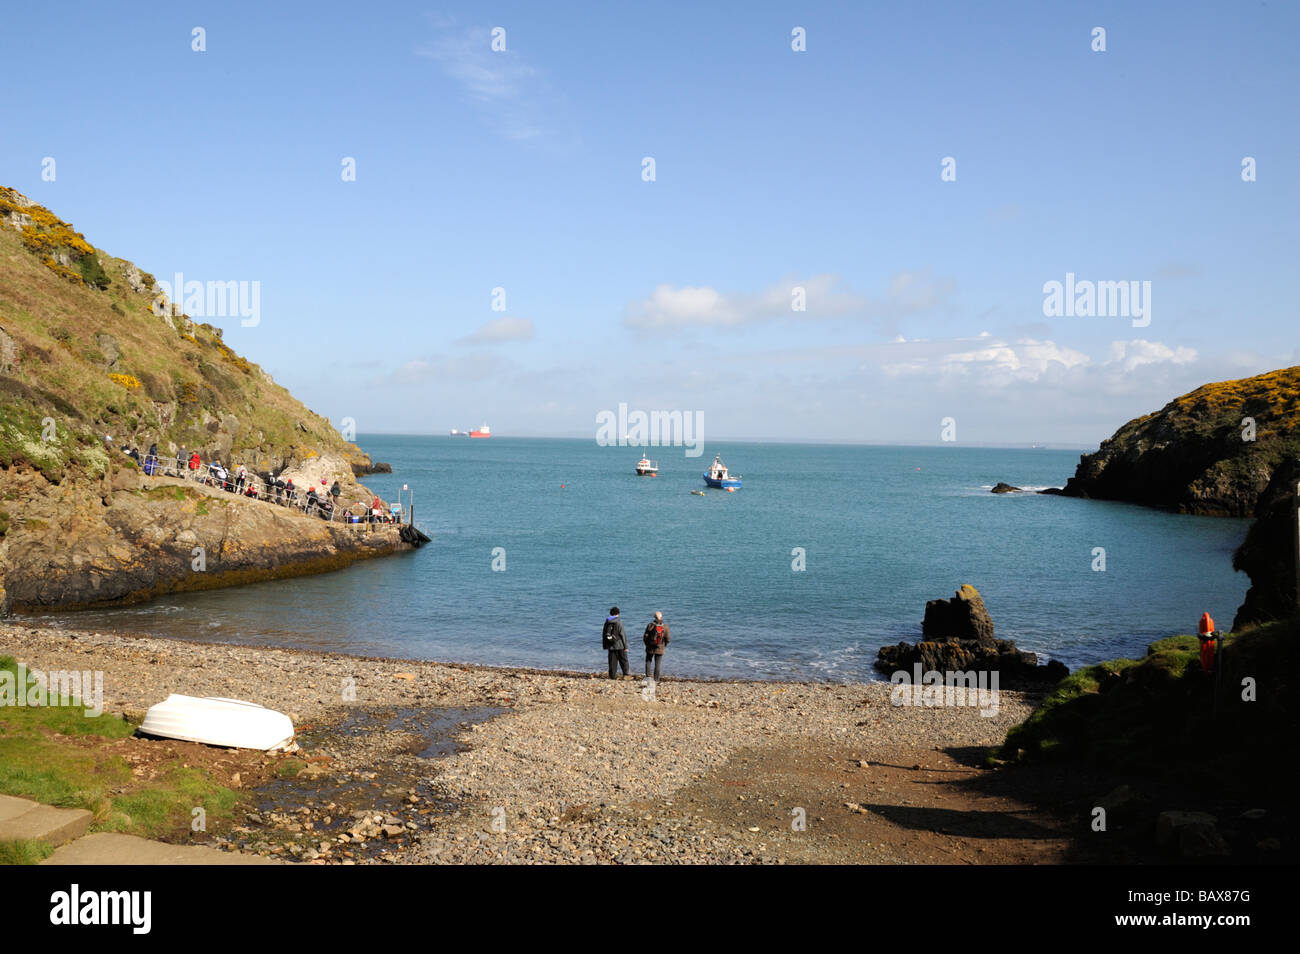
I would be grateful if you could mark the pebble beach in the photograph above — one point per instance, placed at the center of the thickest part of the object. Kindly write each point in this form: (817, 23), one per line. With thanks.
(553, 767)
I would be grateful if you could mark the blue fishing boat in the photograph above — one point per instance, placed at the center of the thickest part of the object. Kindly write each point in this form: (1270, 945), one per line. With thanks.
(718, 476)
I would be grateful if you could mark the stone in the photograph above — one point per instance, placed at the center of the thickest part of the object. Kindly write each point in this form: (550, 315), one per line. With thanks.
(1193, 833)
(957, 636)
(126, 478)
(109, 348)
(962, 617)
(1001, 488)
(8, 352)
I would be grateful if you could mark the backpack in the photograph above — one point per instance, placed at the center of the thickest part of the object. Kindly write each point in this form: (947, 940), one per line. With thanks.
(655, 641)
(608, 633)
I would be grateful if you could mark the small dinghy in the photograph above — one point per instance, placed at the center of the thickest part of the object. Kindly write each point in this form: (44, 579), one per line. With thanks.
(231, 723)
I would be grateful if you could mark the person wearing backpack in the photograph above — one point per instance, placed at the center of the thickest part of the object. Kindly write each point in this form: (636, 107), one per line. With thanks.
(614, 640)
(656, 640)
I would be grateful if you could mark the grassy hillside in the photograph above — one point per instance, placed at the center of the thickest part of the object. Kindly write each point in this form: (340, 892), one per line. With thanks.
(1162, 716)
(81, 346)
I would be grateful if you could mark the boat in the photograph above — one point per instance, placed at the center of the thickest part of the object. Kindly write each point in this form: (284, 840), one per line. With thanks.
(483, 431)
(459, 433)
(212, 720)
(646, 467)
(718, 476)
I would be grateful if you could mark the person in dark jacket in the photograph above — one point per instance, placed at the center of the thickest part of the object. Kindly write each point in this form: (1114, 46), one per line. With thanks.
(614, 639)
(656, 640)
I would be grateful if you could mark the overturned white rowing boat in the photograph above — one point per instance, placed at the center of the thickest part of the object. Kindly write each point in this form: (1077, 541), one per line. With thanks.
(213, 721)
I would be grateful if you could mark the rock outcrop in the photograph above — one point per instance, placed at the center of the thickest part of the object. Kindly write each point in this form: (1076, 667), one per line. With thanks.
(1005, 488)
(138, 538)
(962, 617)
(957, 636)
(1211, 451)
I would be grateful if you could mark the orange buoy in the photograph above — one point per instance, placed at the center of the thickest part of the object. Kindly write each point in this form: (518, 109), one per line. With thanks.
(1207, 638)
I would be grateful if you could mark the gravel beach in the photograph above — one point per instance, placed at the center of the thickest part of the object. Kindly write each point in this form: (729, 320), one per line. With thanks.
(557, 767)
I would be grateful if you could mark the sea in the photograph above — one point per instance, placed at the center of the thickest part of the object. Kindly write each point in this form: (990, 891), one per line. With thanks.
(827, 553)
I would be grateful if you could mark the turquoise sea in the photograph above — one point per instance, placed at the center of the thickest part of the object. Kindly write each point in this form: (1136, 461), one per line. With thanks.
(881, 529)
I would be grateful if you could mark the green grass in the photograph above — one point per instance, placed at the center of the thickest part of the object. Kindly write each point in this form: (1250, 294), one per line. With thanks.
(289, 768)
(1162, 715)
(158, 811)
(36, 763)
(24, 852)
(189, 376)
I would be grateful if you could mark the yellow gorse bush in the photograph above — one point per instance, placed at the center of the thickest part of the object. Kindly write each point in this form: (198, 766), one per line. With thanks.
(128, 381)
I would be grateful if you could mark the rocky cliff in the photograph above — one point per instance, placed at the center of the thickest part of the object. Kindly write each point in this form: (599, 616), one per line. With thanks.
(92, 358)
(1211, 451)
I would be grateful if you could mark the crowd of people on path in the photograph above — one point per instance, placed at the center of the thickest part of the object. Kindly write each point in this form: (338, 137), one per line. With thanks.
(322, 501)
(614, 639)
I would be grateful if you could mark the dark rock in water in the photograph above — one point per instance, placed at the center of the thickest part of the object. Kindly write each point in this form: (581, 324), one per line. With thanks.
(958, 637)
(364, 466)
(1002, 488)
(1015, 667)
(412, 535)
(962, 617)
(1053, 491)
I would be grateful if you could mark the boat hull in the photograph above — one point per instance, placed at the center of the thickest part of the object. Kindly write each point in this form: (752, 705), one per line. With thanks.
(231, 723)
(725, 483)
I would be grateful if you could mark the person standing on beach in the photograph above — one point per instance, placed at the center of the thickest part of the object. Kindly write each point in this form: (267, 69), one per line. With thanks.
(656, 640)
(614, 639)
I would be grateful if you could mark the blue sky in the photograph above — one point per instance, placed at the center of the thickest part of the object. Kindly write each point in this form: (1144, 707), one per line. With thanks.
(522, 169)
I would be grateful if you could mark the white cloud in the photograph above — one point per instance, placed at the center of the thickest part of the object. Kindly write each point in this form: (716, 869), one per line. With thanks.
(506, 89)
(1000, 361)
(1130, 355)
(502, 329)
(670, 308)
(475, 367)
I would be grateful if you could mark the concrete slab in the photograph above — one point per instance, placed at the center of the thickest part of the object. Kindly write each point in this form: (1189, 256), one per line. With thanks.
(25, 820)
(11, 807)
(111, 848)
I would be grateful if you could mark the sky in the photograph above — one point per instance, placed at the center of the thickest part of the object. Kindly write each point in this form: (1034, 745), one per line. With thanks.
(916, 174)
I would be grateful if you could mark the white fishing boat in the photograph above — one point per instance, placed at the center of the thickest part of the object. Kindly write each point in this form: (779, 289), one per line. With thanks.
(232, 723)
